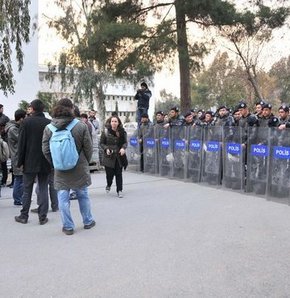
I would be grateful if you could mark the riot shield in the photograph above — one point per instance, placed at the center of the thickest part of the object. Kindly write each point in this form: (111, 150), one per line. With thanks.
(279, 174)
(133, 153)
(150, 153)
(158, 134)
(194, 154)
(233, 174)
(258, 159)
(212, 161)
(165, 153)
(179, 141)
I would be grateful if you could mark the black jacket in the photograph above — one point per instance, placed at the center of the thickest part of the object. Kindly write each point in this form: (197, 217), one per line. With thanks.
(30, 154)
(143, 97)
(110, 140)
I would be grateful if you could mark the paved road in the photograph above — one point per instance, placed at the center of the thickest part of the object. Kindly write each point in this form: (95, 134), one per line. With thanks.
(165, 238)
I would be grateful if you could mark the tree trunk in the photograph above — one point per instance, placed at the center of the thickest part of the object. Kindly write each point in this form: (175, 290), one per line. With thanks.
(251, 77)
(100, 102)
(183, 56)
(254, 83)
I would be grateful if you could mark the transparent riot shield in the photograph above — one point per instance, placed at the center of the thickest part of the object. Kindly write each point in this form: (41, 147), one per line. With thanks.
(233, 170)
(150, 153)
(212, 161)
(165, 153)
(194, 154)
(158, 134)
(133, 152)
(279, 174)
(258, 159)
(179, 150)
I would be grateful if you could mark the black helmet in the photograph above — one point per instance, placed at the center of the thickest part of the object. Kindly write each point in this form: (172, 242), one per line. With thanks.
(253, 120)
(273, 122)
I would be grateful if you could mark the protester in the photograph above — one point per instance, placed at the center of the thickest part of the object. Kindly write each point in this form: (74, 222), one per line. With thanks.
(143, 96)
(84, 118)
(77, 178)
(3, 121)
(33, 162)
(114, 143)
(12, 130)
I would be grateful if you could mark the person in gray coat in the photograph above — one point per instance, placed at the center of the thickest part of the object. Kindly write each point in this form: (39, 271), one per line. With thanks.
(12, 130)
(77, 179)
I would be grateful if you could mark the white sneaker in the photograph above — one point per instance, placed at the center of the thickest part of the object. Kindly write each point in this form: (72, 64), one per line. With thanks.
(120, 195)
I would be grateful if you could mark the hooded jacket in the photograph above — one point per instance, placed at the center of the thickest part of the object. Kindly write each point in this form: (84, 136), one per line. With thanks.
(12, 131)
(79, 176)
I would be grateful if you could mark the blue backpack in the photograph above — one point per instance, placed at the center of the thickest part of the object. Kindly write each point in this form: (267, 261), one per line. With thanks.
(63, 148)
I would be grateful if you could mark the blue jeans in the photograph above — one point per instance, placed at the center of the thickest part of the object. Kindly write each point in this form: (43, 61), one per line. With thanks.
(84, 205)
(17, 188)
(141, 111)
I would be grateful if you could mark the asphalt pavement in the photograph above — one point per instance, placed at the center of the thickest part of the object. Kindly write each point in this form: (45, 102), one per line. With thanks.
(165, 238)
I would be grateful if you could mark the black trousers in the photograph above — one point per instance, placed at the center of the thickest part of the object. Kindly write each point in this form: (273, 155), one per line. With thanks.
(4, 172)
(116, 171)
(28, 181)
(51, 190)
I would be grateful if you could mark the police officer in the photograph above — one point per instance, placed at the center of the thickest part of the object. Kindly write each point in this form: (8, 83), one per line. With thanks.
(143, 132)
(259, 108)
(223, 117)
(208, 119)
(158, 126)
(268, 119)
(159, 119)
(188, 119)
(175, 119)
(245, 113)
(283, 114)
(237, 116)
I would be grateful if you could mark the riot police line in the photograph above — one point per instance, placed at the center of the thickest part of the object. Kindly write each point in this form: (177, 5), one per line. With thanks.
(256, 160)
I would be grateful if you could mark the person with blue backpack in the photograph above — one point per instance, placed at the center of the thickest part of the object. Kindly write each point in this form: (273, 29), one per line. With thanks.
(67, 145)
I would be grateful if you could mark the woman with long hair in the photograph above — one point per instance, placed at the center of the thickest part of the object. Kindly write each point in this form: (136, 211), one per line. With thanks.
(114, 143)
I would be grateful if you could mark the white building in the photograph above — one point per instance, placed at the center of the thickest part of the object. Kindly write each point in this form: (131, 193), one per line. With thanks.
(31, 79)
(118, 95)
(121, 95)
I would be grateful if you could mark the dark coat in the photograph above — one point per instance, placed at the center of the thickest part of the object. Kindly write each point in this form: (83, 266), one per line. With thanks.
(30, 155)
(109, 140)
(143, 97)
(79, 176)
(12, 130)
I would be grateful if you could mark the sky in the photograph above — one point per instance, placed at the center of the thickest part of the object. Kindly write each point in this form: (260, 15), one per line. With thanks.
(49, 44)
